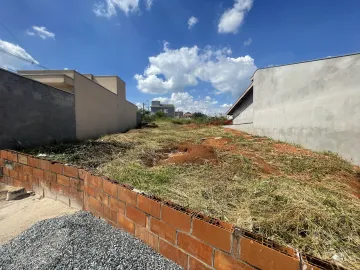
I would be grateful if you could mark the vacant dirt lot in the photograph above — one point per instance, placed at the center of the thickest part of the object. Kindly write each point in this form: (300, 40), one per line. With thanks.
(297, 197)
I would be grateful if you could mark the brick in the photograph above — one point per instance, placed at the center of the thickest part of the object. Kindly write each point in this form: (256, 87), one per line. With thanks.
(149, 206)
(2, 162)
(44, 164)
(23, 159)
(176, 218)
(136, 215)
(17, 183)
(110, 188)
(63, 180)
(59, 189)
(6, 172)
(3, 154)
(57, 168)
(96, 181)
(33, 162)
(63, 198)
(127, 195)
(197, 265)
(76, 194)
(82, 173)
(71, 171)
(125, 223)
(24, 177)
(102, 197)
(14, 174)
(77, 184)
(214, 235)
(193, 246)
(116, 205)
(163, 230)
(12, 156)
(38, 173)
(173, 253)
(146, 236)
(27, 170)
(109, 214)
(95, 204)
(226, 262)
(18, 167)
(264, 257)
(90, 191)
(49, 176)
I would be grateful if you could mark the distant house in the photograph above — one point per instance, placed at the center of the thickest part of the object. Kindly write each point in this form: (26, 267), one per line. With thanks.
(187, 115)
(167, 109)
(179, 114)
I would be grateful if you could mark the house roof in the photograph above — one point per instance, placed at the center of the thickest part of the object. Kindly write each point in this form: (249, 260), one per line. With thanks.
(233, 107)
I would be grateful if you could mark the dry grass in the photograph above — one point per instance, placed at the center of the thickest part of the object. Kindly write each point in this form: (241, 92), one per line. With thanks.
(294, 196)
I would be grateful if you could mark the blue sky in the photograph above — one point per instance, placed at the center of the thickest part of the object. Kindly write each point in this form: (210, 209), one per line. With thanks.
(203, 66)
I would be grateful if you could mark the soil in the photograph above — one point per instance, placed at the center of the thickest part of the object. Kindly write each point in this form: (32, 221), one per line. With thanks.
(191, 153)
(287, 148)
(191, 126)
(19, 215)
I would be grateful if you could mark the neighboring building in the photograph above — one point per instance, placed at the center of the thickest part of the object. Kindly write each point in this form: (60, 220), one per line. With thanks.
(42, 106)
(315, 104)
(167, 109)
(179, 114)
(187, 115)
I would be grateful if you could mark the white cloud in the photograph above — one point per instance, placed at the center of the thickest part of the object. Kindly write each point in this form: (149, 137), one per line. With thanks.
(30, 33)
(149, 4)
(232, 18)
(107, 8)
(248, 42)
(192, 21)
(185, 102)
(175, 69)
(10, 61)
(40, 31)
(226, 105)
(139, 105)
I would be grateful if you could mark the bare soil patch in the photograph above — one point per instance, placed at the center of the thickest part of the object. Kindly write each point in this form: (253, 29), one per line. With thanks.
(192, 153)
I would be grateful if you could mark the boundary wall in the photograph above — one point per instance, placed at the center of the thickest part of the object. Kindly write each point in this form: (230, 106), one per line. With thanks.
(187, 237)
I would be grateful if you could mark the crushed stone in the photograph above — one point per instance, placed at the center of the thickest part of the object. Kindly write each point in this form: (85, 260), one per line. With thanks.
(79, 241)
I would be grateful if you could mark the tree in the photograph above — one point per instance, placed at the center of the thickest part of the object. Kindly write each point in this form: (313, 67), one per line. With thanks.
(160, 114)
(199, 115)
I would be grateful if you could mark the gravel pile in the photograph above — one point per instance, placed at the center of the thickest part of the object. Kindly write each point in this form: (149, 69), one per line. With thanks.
(79, 241)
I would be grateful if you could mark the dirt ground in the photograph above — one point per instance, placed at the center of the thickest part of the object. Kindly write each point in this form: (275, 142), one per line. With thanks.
(19, 215)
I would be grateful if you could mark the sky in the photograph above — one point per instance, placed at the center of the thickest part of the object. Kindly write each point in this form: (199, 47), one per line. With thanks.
(196, 54)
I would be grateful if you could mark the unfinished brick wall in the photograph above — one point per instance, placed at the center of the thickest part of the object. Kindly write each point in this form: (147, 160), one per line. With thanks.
(189, 238)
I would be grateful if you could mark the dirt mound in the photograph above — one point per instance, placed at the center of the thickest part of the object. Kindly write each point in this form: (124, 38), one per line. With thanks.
(191, 153)
(238, 133)
(291, 149)
(217, 142)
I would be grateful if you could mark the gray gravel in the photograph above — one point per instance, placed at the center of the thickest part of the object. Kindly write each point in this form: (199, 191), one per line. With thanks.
(79, 241)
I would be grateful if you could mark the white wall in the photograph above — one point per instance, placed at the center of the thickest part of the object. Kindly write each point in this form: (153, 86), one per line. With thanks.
(315, 104)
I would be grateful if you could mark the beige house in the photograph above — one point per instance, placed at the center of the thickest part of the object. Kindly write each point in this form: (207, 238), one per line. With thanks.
(100, 101)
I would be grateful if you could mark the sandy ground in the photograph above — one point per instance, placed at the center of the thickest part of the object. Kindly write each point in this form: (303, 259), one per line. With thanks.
(18, 215)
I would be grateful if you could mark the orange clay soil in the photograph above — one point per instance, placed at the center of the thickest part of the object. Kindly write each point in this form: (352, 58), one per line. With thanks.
(191, 153)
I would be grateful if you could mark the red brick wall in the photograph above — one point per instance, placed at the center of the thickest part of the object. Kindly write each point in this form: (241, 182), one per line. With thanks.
(190, 239)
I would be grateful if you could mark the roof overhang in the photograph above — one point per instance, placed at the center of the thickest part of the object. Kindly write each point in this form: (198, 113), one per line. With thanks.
(55, 80)
(233, 107)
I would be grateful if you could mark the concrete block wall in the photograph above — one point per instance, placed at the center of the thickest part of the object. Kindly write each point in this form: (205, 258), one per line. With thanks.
(187, 237)
(32, 113)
